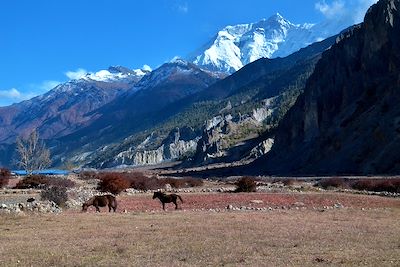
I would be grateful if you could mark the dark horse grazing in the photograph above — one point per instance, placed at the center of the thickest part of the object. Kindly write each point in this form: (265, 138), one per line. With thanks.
(101, 201)
(164, 198)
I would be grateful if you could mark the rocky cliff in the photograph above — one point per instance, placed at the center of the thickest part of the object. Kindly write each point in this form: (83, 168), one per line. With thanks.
(347, 121)
(155, 149)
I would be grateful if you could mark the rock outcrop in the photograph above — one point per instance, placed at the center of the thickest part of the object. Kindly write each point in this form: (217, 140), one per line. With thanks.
(347, 121)
(262, 149)
(179, 143)
(227, 138)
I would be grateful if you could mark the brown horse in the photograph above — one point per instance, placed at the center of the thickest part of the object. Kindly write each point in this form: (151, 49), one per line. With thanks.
(164, 198)
(101, 201)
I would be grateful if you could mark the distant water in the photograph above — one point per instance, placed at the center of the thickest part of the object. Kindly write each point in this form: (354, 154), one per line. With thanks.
(43, 172)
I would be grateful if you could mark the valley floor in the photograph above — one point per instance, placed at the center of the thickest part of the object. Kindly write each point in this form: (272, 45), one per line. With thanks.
(300, 229)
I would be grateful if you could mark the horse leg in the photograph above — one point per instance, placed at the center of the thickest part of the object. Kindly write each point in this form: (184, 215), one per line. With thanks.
(176, 204)
(163, 205)
(97, 208)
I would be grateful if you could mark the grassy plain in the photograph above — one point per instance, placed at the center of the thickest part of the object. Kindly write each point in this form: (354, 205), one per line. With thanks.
(347, 237)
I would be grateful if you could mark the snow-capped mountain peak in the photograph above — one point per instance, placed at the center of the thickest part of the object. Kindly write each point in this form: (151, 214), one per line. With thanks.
(237, 45)
(115, 74)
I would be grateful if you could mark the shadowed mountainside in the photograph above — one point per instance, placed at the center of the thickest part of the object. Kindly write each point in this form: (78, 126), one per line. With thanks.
(347, 121)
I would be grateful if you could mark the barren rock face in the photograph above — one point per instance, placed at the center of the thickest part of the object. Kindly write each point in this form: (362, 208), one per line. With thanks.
(178, 143)
(347, 119)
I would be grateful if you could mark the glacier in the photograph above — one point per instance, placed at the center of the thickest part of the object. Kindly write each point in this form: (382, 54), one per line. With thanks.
(235, 46)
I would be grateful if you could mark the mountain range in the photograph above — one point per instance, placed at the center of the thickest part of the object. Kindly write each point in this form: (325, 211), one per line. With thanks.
(261, 91)
(236, 46)
(251, 86)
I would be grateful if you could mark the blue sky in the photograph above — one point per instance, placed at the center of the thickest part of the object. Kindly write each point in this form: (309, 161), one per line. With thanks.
(46, 42)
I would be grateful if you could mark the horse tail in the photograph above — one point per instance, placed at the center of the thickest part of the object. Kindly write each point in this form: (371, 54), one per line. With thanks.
(180, 198)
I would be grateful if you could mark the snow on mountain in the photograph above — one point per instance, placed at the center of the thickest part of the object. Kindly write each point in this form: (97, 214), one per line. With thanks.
(175, 69)
(115, 73)
(68, 106)
(235, 46)
(115, 77)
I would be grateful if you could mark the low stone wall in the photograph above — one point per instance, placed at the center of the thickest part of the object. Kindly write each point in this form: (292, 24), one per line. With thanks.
(36, 206)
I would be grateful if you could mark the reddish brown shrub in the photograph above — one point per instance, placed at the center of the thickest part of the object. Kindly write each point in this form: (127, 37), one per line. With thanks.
(41, 181)
(5, 175)
(246, 184)
(284, 181)
(182, 183)
(113, 182)
(362, 184)
(87, 175)
(33, 181)
(288, 181)
(334, 182)
(139, 181)
(146, 183)
(175, 183)
(193, 182)
(377, 185)
(60, 182)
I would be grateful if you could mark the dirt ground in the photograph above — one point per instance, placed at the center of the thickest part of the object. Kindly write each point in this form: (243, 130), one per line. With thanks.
(207, 201)
(300, 229)
(337, 237)
(283, 228)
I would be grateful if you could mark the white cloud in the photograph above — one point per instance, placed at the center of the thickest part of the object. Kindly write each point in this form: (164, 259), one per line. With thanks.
(13, 95)
(48, 85)
(183, 7)
(75, 75)
(331, 10)
(352, 11)
(146, 67)
(180, 6)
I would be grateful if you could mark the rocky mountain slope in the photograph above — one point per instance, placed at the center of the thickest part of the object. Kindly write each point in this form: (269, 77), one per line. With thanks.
(235, 46)
(347, 121)
(65, 109)
(137, 110)
(105, 118)
(253, 98)
(68, 106)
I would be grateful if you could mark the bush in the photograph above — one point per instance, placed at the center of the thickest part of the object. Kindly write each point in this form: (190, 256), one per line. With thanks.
(60, 182)
(41, 181)
(284, 181)
(33, 181)
(374, 185)
(377, 185)
(175, 183)
(87, 175)
(288, 182)
(142, 182)
(4, 177)
(57, 194)
(113, 182)
(193, 182)
(139, 181)
(334, 182)
(246, 184)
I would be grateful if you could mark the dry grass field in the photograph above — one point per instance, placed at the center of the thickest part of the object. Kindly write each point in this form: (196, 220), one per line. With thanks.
(347, 237)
